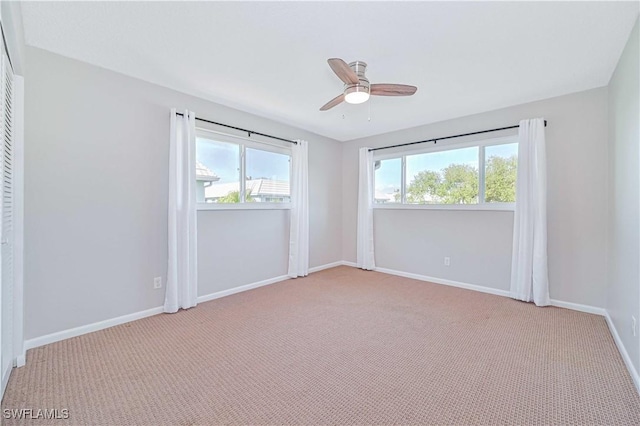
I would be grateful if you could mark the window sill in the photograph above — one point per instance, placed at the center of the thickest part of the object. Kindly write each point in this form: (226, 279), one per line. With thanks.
(244, 206)
(470, 207)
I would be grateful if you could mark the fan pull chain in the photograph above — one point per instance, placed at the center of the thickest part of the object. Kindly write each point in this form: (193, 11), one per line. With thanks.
(369, 119)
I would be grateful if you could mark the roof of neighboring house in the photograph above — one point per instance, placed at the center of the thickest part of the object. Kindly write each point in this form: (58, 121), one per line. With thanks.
(268, 186)
(384, 197)
(205, 173)
(256, 187)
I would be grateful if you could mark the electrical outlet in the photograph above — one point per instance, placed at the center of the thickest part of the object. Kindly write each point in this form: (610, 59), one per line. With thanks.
(157, 282)
(634, 323)
(447, 261)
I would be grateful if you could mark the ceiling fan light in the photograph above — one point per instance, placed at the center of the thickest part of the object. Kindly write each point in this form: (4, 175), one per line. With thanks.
(356, 95)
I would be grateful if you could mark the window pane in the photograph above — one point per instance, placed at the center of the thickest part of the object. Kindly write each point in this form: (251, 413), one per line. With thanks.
(445, 177)
(267, 179)
(217, 171)
(500, 173)
(388, 176)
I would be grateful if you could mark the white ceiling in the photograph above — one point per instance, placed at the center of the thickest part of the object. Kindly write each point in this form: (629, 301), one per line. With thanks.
(270, 58)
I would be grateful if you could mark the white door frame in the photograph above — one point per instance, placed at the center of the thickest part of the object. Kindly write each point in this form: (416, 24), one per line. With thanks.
(12, 39)
(19, 353)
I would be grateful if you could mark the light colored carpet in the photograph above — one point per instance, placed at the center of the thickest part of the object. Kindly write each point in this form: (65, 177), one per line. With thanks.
(342, 346)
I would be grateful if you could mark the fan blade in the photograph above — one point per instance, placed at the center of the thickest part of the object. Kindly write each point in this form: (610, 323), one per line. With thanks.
(343, 71)
(392, 90)
(333, 102)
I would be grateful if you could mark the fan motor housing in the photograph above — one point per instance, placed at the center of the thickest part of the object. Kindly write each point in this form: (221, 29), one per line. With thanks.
(359, 68)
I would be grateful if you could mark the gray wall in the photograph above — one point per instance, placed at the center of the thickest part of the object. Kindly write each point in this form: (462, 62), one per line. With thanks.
(416, 241)
(96, 193)
(479, 242)
(623, 292)
(259, 242)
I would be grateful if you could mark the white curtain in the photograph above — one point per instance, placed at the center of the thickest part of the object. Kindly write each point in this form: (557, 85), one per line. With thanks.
(181, 289)
(365, 258)
(299, 224)
(529, 275)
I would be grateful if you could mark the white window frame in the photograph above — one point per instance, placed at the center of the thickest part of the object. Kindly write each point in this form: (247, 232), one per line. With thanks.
(481, 205)
(244, 143)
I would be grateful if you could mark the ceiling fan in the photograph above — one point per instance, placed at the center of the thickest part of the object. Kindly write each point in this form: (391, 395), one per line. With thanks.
(356, 86)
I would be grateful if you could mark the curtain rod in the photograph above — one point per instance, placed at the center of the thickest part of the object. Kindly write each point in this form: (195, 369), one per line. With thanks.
(435, 140)
(249, 132)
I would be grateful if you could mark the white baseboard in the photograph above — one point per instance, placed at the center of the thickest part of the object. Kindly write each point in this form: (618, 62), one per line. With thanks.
(101, 325)
(352, 264)
(578, 307)
(246, 287)
(89, 328)
(229, 292)
(326, 266)
(5, 379)
(451, 283)
(623, 352)
(558, 303)
(21, 359)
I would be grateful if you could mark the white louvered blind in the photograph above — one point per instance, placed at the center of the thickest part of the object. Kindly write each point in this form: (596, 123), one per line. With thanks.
(6, 232)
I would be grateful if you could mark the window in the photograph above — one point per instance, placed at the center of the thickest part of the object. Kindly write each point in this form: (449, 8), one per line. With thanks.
(444, 177)
(267, 176)
(388, 180)
(501, 167)
(480, 174)
(234, 171)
